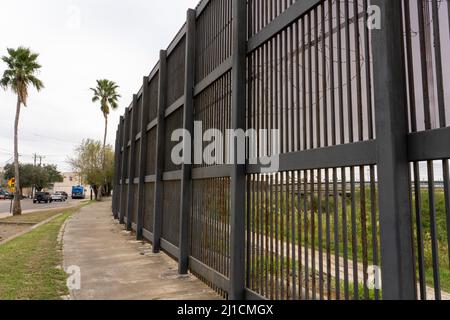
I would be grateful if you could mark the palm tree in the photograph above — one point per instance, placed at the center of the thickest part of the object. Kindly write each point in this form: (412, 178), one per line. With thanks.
(22, 67)
(106, 93)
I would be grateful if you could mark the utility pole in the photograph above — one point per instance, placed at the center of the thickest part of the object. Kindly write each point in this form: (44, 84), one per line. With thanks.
(35, 157)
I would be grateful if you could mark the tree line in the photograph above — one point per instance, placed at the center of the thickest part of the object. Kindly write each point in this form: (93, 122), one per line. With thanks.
(40, 177)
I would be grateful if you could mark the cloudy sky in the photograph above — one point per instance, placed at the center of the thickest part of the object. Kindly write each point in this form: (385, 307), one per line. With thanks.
(79, 41)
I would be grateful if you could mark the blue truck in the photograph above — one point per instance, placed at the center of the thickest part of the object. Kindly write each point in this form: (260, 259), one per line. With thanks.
(78, 192)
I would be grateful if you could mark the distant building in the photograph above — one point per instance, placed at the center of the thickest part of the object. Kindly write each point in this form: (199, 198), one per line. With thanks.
(70, 179)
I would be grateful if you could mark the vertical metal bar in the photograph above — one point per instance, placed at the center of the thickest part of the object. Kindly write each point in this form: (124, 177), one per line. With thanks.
(313, 234)
(118, 169)
(374, 219)
(354, 236)
(339, 72)
(263, 235)
(305, 230)
(304, 95)
(253, 232)
(118, 190)
(188, 123)
(282, 232)
(293, 239)
(328, 231)
(310, 82)
(257, 231)
(131, 164)
(297, 49)
(277, 233)
(237, 277)
(116, 161)
(446, 176)
(299, 232)
(416, 170)
(345, 229)
(143, 157)
(390, 104)
(367, 50)
(249, 232)
(317, 79)
(428, 95)
(324, 75)
(358, 70)
(158, 198)
(320, 232)
(116, 172)
(331, 58)
(348, 63)
(365, 252)
(272, 245)
(251, 103)
(433, 230)
(448, 13)
(337, 269)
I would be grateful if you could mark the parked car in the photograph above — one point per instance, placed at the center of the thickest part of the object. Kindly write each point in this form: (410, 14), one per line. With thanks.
(66, 196)
(58, 196)
(5, 195)
(42, 197)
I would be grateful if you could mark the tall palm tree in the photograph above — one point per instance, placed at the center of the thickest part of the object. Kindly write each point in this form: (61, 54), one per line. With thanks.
(106, 93)
(22, 67)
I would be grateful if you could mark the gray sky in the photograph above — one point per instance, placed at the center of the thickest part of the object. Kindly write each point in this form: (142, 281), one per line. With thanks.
(79, 41)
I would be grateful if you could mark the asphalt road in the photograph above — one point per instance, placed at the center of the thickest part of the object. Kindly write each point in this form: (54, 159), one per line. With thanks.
(29, 205)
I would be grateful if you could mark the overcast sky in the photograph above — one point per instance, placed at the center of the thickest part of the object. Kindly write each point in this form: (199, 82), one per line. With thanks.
(79, 41)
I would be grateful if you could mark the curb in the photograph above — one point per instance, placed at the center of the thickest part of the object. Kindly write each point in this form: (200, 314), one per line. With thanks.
(49, 209)
(31, 229)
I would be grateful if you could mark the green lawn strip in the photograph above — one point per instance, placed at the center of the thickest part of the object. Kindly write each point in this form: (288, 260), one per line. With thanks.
(32, 218)
(40, 216)
(264, 269)
(282, 208)
(28, 264)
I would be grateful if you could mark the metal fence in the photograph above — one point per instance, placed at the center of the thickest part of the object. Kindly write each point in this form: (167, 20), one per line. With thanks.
(362, 192)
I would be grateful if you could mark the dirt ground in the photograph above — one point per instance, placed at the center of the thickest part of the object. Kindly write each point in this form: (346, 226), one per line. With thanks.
(9, 230)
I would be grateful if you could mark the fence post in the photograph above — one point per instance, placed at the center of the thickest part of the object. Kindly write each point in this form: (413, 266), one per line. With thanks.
(119, 167)
(238, 108)
(393, 166)
(188, 124)
(116, 171)
(158, 205)
(132, 164)
(142, 158)
(124, 168)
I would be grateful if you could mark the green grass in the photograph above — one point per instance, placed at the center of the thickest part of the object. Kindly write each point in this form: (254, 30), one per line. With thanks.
(32, 218)
(262, 265)
(28, 264)
(279, 219)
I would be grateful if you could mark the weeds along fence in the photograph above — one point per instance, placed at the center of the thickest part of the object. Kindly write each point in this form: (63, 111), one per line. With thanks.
(362, 189)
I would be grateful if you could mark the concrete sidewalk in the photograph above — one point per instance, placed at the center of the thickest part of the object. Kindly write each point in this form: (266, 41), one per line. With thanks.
(116, 267)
